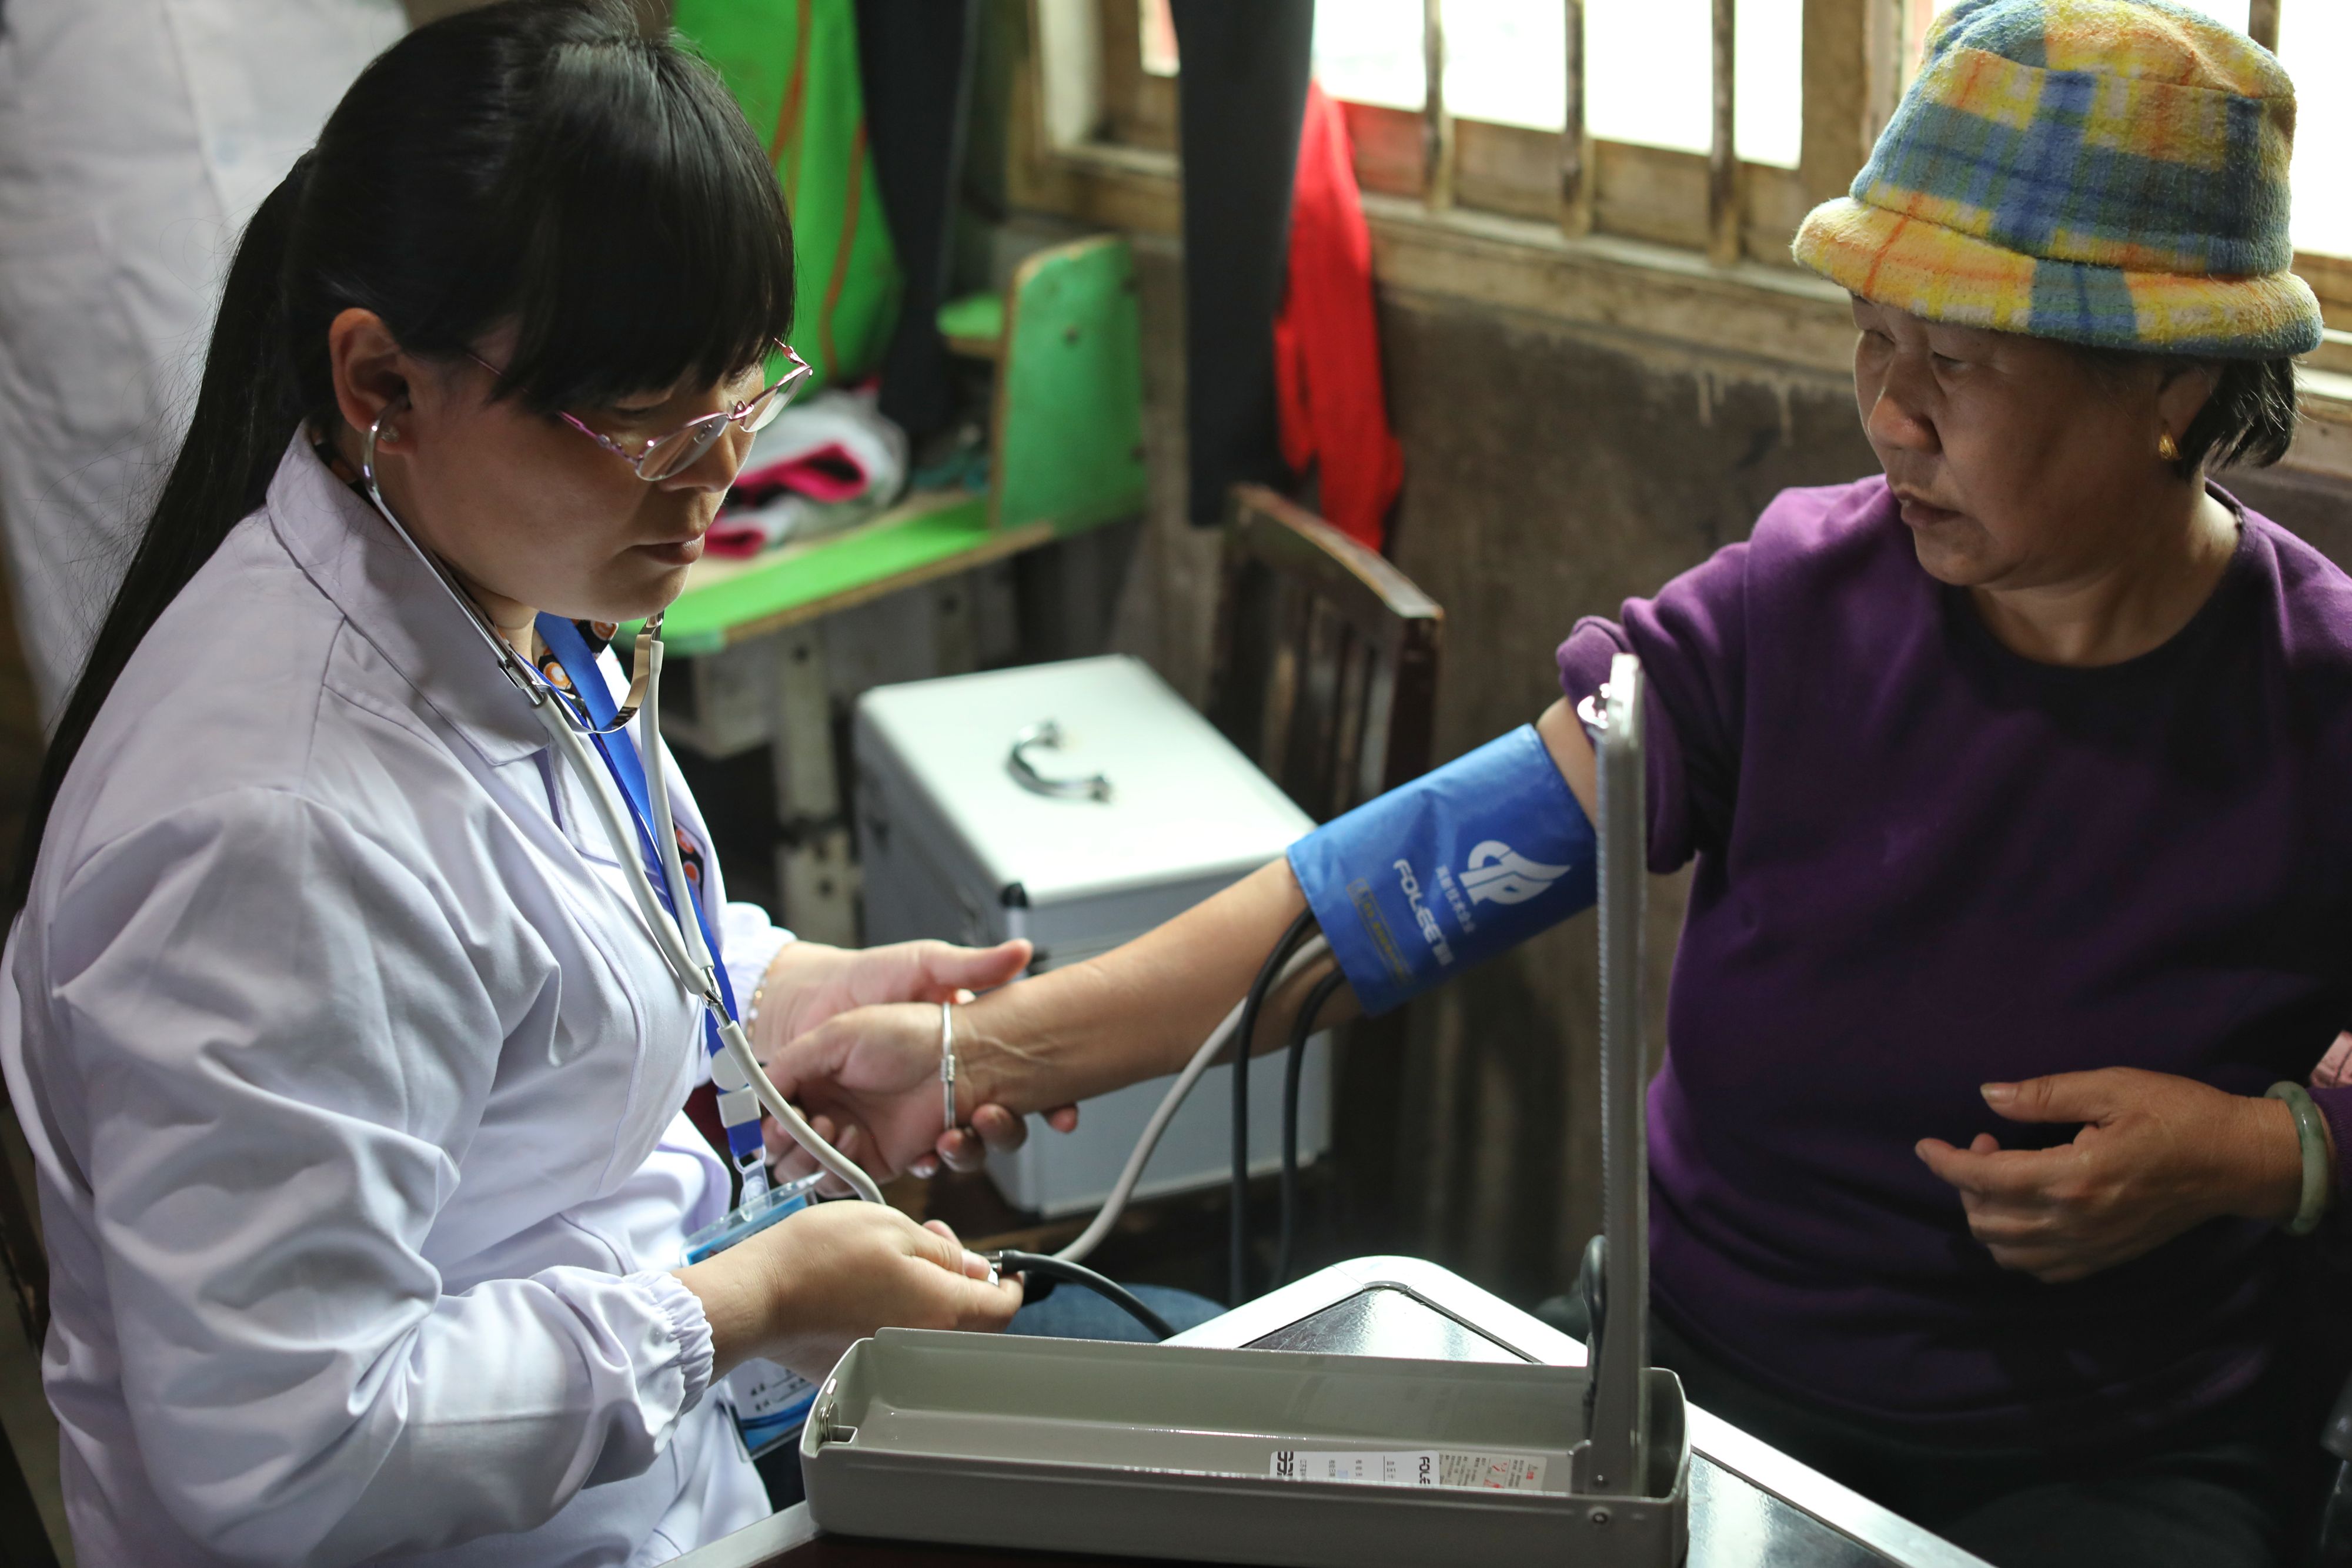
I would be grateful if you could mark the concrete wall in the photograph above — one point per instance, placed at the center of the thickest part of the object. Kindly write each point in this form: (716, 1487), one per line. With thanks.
(1549, 473)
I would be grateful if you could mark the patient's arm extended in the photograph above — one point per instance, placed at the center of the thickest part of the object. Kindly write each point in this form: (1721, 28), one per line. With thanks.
(1139, 1011)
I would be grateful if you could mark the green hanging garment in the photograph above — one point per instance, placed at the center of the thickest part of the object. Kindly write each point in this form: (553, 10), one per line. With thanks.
(793, 66)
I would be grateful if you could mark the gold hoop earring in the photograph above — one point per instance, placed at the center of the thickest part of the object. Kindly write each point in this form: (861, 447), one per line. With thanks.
(2167, 448)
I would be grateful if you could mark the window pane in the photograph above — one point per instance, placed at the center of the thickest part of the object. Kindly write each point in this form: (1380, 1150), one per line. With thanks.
(1768, 100)
(1369, 51)
(1647, 76)
(1506, 60)
(2312, 41)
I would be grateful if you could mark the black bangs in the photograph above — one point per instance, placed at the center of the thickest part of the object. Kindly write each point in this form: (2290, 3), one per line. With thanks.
(636, 228)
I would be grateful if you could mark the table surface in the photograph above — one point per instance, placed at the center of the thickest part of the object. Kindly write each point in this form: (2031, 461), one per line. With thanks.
(1815, 1548)
(1750, 1506)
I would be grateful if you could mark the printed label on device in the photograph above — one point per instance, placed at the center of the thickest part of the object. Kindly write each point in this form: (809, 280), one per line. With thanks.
(1412, 1467)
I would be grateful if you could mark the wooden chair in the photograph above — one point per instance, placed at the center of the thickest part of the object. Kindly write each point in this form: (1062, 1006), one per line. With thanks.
(1325, 670)
(1326, 676)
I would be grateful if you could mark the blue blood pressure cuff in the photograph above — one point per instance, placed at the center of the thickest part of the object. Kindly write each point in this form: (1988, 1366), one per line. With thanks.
(1436, 875)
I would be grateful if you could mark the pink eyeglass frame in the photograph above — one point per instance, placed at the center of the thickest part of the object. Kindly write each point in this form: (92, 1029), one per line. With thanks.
(707, 426)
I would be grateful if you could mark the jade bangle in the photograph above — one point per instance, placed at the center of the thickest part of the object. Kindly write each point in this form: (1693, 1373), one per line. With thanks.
(2310, 1137)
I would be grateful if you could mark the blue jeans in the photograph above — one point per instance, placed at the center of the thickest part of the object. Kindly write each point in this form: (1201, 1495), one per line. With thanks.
(1072, 1312)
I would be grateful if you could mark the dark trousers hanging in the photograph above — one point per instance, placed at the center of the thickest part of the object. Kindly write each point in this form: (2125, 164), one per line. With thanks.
(1241, 95)
(914, 61)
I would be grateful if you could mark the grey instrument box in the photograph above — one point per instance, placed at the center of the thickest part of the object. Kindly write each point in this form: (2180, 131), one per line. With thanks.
(1165, 1451)
(980, 818)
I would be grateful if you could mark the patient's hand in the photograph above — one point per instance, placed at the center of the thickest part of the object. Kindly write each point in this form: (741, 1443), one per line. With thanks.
(2157, 1154)
(868, 1081)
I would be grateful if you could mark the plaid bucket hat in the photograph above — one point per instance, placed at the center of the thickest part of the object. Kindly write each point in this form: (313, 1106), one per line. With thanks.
(2111, 173)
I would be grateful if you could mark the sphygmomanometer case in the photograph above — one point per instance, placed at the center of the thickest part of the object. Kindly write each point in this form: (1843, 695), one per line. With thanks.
(1173, 1452)
(962, 840)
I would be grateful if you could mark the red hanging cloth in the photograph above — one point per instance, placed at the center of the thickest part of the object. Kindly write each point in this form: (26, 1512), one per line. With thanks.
(1326, 342)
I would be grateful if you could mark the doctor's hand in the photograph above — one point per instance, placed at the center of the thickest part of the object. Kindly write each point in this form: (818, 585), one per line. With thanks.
(2157, 1155)
(869, 1082)
(809, 982)
(806, 1289)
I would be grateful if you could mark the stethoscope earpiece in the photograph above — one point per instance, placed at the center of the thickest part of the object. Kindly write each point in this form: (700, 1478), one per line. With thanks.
(376, 432)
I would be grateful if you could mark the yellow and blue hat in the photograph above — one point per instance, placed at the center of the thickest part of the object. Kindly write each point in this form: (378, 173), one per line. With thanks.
(2111, 173)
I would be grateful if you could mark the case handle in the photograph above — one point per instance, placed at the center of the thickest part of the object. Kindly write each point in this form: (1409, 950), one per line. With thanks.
(1048, 734)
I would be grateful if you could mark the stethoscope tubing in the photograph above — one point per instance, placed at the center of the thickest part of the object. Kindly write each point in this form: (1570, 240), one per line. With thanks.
(730, 1030)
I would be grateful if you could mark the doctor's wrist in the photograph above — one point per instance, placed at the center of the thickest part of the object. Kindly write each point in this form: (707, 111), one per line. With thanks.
(738, 1289)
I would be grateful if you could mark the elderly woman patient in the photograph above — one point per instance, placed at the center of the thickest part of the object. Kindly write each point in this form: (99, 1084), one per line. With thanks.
(2018, 785)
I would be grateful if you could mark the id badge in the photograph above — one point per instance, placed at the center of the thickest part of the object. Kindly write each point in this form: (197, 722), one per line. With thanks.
(769, 1401)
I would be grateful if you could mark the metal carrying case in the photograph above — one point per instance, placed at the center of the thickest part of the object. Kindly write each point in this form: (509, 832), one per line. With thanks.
(1076, 804)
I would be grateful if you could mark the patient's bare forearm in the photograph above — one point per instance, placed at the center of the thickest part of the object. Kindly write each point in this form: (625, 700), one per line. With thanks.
(1571, 753)
(1142, 1009)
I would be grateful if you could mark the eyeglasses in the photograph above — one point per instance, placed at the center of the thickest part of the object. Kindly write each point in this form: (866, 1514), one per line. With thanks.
(668, 456)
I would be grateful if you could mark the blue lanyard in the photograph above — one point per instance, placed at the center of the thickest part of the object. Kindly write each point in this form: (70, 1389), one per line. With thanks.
(621, 759)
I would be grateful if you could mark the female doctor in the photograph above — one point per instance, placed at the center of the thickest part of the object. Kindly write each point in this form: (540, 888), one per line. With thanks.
(337, 1017)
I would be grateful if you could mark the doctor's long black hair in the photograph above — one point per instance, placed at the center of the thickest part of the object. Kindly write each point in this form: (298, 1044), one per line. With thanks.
(544, 164)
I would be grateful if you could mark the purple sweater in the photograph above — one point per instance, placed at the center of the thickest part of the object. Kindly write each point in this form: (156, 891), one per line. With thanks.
(1923, 864)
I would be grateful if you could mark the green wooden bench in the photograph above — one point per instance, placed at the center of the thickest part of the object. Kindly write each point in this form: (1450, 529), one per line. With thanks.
(1066, 454)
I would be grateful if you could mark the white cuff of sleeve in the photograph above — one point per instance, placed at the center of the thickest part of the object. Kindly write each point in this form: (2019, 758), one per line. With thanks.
(690, 1329)
(750, 943)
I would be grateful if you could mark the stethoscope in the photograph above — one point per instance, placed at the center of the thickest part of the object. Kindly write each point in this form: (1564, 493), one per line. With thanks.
(681, 942)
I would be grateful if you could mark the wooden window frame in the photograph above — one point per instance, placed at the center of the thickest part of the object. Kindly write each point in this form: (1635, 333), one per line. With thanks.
(1710, 202)
(1682, 246)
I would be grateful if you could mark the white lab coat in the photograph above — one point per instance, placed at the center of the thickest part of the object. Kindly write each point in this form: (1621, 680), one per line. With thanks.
(136, 138)
(354, 1083)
